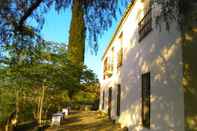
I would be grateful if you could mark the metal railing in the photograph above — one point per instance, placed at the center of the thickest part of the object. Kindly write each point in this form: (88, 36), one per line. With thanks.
(145, 25)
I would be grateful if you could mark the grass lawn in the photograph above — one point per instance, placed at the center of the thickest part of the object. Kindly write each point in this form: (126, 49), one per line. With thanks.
(86, 121)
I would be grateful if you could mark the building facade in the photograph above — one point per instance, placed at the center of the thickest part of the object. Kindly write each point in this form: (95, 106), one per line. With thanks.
(144, 73)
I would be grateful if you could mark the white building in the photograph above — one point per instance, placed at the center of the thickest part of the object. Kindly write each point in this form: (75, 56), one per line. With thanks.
(144, 74)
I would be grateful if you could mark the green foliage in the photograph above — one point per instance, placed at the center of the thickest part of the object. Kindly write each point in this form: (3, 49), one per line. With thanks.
(7, 102)
(45, 65)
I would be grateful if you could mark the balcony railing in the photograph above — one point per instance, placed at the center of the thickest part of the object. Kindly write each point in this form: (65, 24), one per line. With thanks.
(145, 25)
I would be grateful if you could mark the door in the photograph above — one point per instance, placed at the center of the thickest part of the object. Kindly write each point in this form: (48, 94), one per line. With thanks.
(103, 104)
(110, 102)
(146, 100)
(118, 100)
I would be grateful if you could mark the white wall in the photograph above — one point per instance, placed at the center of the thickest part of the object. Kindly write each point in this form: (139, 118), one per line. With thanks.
(160, 53)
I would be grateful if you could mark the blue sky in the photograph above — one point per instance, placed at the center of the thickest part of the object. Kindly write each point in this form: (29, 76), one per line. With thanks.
(56, 28)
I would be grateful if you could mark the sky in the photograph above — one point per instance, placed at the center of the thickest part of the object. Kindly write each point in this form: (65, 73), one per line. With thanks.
(56, 28)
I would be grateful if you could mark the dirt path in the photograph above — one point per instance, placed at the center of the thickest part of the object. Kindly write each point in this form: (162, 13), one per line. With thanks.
(86, 121)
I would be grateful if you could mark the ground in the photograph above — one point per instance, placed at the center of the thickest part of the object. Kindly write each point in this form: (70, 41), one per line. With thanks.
(87, 121)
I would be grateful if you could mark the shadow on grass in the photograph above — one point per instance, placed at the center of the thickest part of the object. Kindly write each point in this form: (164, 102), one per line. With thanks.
(96, 126)
(26, 126)
(88, 121)
(70, 120)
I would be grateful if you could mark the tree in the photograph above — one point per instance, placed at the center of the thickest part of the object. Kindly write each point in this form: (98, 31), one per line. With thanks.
(96, 16)
(76, 46)
(43, 80)
(89, 18)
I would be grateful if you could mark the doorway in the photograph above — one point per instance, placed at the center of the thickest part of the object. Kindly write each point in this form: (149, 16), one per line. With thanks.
(110, 102)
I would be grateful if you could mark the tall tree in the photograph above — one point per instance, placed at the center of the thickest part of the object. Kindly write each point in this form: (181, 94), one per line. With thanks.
(76, 46)
(89, 18)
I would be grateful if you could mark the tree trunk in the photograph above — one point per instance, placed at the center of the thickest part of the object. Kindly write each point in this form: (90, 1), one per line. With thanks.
(41, 105)
(17, 104)
(38, 108)
(76, 45)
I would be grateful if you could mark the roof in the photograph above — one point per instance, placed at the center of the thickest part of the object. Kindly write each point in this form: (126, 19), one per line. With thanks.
(119, 25)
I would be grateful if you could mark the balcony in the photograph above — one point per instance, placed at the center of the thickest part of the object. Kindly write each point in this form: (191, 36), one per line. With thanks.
(145, 25)
(108, 71)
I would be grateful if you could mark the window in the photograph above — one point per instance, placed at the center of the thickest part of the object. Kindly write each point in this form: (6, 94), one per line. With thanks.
(145, 24)
(103, 104)
(146, 100)
(120, 52)
(112, 59)
(120, 57)
(118, 99)
(107, 69)
(109, 64)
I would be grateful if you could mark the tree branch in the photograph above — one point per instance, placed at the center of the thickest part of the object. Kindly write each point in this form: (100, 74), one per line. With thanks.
(29, 12)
